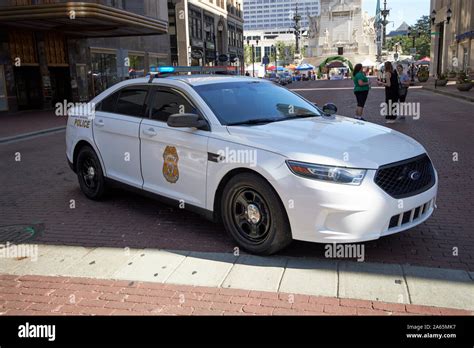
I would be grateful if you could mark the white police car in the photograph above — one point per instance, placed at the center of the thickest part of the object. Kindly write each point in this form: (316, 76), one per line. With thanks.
(270, 165)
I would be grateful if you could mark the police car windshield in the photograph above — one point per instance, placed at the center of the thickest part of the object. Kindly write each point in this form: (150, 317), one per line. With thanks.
(254, 102)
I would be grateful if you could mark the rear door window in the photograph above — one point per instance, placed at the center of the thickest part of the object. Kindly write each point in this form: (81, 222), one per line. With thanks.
(132, 101)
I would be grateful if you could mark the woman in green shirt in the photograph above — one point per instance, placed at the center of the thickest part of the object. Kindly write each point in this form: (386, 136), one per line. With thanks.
(361, 90)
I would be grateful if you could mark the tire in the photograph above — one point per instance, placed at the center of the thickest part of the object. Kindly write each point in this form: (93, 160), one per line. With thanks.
(90, 174)
(252, 213)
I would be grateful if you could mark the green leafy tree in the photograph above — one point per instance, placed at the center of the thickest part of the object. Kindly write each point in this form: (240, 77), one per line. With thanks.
(422, 42)
(285, 53)
(247, 54)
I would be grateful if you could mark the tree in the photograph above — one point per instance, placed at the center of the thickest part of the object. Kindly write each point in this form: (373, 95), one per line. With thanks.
(248, 54)
(285, 53)
(422, 42)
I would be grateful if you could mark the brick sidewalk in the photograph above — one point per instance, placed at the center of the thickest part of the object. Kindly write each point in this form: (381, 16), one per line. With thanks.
(39, 295)
(449, 90)
(29, 121)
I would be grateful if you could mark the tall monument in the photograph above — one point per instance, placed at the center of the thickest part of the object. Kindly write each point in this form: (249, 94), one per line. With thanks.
(342, 28)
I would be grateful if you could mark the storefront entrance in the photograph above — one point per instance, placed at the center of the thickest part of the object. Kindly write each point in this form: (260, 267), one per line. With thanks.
(60, 84)
(28, 87)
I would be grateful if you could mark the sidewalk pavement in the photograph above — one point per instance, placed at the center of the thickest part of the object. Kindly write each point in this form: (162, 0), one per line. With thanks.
(42, 295)
(448, 90)
(401, 285)
(15, 125)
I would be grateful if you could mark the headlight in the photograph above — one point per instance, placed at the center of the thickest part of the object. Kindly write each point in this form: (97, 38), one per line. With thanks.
(349, 176)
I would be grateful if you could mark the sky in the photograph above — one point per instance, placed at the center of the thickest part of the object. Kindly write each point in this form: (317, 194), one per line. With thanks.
(400, 10)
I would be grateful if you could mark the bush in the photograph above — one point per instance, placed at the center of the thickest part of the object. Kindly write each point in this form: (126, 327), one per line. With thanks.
(452, 74)
(423, 74)
(463, 78)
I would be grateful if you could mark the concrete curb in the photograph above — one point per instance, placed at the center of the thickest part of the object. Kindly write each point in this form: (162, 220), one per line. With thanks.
(31, 134)
(393, 283)
(449, 94)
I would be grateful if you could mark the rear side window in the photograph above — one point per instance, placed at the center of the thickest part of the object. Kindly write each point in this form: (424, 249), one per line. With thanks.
(131, 101)
(108, 104)
(167, 102)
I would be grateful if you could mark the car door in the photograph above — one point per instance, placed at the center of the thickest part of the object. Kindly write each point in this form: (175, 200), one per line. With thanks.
(173, 160)
(116, 129)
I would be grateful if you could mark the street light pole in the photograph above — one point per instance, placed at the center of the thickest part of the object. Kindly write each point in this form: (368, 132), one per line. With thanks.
(385, 12)
(274, 51)
(413, 35)
(297, 27)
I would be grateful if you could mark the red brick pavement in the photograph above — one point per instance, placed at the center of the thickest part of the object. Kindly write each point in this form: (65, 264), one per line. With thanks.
(39, 295)
(39, 189)
(28, 121)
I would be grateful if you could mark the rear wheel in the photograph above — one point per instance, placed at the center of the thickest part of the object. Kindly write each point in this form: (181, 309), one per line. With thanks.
(90, 174)
(254, 216)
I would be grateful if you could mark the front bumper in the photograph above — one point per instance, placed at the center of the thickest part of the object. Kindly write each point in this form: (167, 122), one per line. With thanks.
(336, 213)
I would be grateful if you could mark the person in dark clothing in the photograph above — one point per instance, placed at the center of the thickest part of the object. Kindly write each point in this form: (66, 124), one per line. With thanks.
(390, 81)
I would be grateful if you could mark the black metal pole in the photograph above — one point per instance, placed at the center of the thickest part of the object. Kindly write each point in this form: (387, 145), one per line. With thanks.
(215, 48)
(253, 61)
(276, 61)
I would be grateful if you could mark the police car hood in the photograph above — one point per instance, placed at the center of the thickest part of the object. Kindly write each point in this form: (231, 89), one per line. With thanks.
(338, 141)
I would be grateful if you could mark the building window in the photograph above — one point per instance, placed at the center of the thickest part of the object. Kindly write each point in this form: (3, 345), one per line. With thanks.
(209, 28)
(104, 71)
(155, 61)
(136, 66)
(195, 24)
(258, 54)
(267, 51)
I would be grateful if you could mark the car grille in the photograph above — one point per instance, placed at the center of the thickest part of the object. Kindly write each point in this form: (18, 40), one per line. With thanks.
(410, 216)
(406, 178)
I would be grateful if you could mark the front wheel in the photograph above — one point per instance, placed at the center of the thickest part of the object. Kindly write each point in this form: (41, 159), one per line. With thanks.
(90, 174)
(254, 216)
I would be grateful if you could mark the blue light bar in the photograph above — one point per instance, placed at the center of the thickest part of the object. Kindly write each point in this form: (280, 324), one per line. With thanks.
(166, 69)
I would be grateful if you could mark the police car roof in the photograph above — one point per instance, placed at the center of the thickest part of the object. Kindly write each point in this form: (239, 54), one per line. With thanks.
(197, 80)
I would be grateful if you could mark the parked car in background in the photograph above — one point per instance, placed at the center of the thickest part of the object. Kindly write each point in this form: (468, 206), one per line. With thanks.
(274, 77)
(286, 76)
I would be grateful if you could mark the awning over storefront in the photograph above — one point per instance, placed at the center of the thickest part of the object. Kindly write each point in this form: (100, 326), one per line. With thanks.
(82, 19)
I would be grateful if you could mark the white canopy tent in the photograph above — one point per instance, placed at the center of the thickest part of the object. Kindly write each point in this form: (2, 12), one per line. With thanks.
(367, 63)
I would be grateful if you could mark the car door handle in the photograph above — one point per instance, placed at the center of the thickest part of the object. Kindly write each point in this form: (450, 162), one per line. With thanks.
(99, 123)
(150, 132)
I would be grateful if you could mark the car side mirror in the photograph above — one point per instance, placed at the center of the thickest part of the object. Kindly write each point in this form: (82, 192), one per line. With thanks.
(187, 120)
(329, 109)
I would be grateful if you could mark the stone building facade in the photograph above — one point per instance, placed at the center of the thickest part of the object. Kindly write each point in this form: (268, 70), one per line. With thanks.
(452, 46)
(207, 32)
(53, 51)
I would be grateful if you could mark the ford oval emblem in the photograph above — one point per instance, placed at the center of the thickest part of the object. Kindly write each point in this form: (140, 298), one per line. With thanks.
(414, 175)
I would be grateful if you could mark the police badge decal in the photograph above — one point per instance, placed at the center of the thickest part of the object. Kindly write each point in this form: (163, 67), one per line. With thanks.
(170, 164)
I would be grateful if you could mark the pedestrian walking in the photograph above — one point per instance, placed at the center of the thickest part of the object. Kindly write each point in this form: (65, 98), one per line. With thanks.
(390, 81)
(361, 90)
(403, 85)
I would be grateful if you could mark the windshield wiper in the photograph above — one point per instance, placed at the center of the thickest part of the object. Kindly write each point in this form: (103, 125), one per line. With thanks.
(254, 121)
(292, 117)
